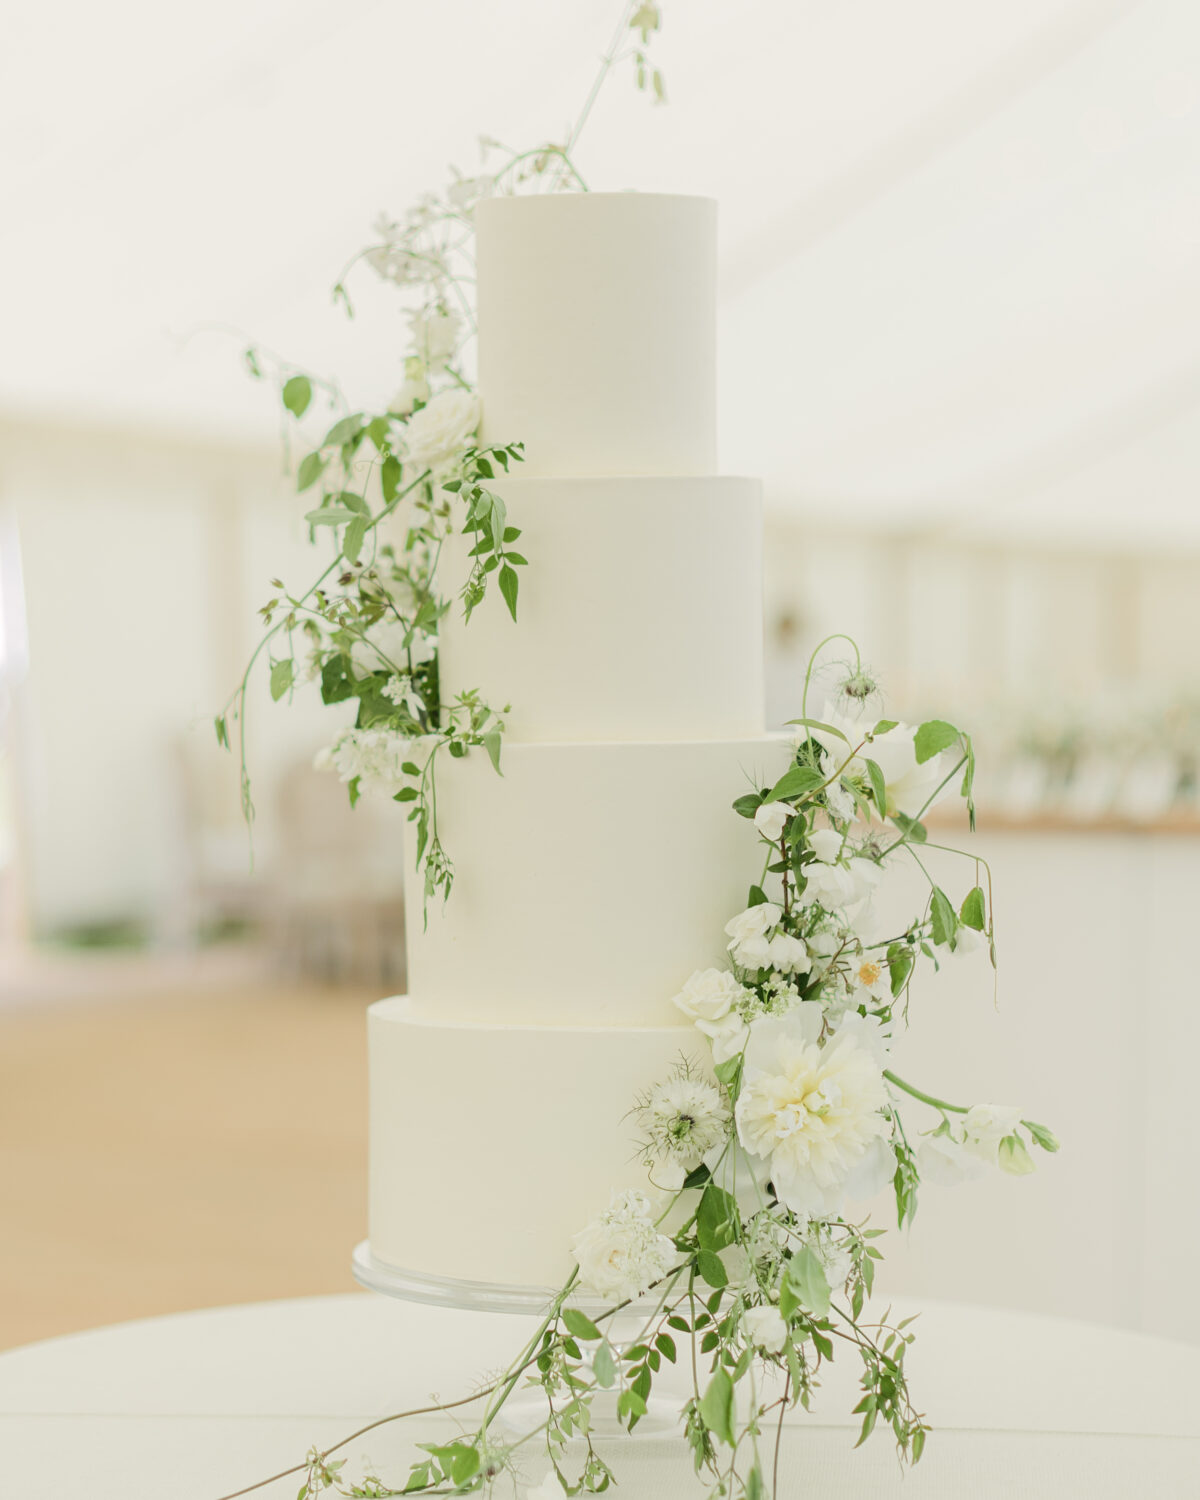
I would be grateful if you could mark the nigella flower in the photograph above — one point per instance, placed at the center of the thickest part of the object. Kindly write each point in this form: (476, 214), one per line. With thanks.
(684, 1118)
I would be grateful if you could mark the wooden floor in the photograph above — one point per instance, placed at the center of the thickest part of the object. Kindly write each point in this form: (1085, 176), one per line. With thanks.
(164, 1148)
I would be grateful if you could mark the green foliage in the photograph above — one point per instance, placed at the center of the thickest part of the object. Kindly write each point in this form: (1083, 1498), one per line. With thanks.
(973, 913)
(297, 394)
(932, 737)
(945, 923)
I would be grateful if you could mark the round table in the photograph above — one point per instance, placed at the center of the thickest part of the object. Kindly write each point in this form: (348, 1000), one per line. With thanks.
(193, 1406)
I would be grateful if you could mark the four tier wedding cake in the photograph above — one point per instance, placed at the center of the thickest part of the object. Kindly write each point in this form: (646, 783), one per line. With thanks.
(599, 870)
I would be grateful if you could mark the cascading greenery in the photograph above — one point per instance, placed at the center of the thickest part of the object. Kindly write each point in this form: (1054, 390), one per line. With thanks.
(390, 487)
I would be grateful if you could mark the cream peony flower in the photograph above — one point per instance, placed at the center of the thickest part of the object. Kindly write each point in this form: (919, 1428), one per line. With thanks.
(771, 819)
(709, 994)
(621, 1254)
(684, 1119)
(765, 1328)
(436, 434)
(812, 1112)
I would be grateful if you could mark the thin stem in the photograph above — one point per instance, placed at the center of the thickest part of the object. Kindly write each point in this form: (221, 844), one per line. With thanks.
(606, 66)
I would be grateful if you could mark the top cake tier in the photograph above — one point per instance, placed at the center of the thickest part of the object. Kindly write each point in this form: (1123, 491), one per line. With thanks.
(597, 332)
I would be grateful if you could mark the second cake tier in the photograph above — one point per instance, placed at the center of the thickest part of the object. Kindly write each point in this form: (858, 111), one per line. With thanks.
(639, 615)
(590, 879)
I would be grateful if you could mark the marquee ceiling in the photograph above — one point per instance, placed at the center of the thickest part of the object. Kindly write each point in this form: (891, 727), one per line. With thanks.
(960, 241)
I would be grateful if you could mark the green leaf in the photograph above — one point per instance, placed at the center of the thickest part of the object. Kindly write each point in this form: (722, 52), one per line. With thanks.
(344, 431)
(389, 478)
(717, 1219)
(336, 683)
(755, 1490)
(1044, 1137)
(795, 783)
(910, 827)
(312, 466)
(282, 674)
(222, 729)
(711, 1268)
(934, 736)
(378, 430)
(757, 897)
(665, 1345)
(491, 743)
(352, 500)
(580, 1324)
(716, 1406)
(329, 515)
(883, 726)
(726, 1073)
(900, 961)
(747, 806)
(297, 394)
(945, 923)
(356, 535)
(878, 786)
(806, 1276)
(972, 913)
(823, 727)
(508, 587)
(604, 1367)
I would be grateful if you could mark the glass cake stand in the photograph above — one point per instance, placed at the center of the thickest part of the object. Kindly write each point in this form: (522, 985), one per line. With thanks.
(526, 1409)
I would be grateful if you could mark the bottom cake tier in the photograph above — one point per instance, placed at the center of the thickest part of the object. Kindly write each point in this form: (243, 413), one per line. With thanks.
(490, 1146)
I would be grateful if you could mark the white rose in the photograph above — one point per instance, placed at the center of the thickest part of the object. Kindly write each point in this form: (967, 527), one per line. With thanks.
(765, 1327)
(826, 844)
(771, 819)
(755, 921)
(436, 434)
(727, 1035)
(621, 1254)
(709, 994)
(788, 955)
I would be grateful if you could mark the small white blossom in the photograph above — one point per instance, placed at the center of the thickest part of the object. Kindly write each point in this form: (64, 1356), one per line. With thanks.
(621, 1254)
(968, 940)
(435, 335)
(373, 757)
(771, 819)
(870, 976)
(765, 1328)
(788, 954)
(748, 933)
(826, 844)
(437, 434)
(945, 1160)
(985, 1126)
(414, 389)
(684, 1119)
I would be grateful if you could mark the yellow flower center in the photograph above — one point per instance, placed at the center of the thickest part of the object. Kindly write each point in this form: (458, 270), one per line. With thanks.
(869, 972)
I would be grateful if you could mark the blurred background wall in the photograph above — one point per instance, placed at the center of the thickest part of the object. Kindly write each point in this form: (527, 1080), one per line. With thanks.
(959, 314)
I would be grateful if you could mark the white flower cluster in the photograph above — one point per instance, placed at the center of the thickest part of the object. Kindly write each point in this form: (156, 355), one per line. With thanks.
(756, 944)
(987, 1136)
(373, 757)
(621, 1253)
